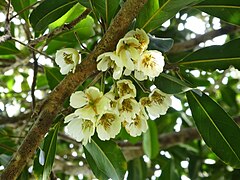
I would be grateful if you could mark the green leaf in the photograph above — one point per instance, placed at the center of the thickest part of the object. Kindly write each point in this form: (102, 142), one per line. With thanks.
(73, 13)
(216, 127)
(155, 13)
(106, 8)
(171, 85)
(214, 57)
(169, 171)
(8, 47)
(54, 77)
(137, 169)
(228, 11)
(108, 159)
(150, 141)
(160, 44)
(49, 148)
(49, 11)
(19, 5)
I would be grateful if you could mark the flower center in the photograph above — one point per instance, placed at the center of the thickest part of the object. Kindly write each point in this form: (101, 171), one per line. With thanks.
(158, 98)
(149, 62)
(124, 89)
(126, 105)
(106, 120)
(87, 124)
(68, 58)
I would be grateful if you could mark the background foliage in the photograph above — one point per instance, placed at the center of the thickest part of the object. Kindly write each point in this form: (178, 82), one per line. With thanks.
(200, 41)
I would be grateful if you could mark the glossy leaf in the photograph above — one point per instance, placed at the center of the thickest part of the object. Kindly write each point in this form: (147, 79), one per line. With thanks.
(170, 84)
(160, 44)
(49, 11)
(106, 8)
(45, 157)
(150, 141)
(155, 12)
(225, 10)
(137, 169)
(8, 47)
(54, 77)
(19, 5)
(169, 171)
(216, 127)
(49, 148)
(108, 159)
(214, 57)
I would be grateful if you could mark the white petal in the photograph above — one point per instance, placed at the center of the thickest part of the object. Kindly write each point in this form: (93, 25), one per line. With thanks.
(86, 112)
(139, 75)
(78, 99)
(103, 65)
(93, 93)
(103, 105)
(117, 73)
(70, 117)
(74, 129)
(66, 69)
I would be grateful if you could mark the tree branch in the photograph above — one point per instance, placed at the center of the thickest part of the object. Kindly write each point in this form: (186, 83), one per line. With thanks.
(187, 45)
(49, 109)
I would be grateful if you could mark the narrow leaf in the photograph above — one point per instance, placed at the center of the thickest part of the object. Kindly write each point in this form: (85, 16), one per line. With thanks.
(19, 5)
(49, 148)
(137, 169)
(49, 11)
(171, 85)
(228, 11)
(155, 12)
(108, 159)
(214, 57)
(169, 171)
(216, 127)
(150, 141)
(106, 8)
(8, 47)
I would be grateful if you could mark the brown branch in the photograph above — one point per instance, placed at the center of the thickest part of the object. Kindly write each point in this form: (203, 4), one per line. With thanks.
(187, 45)
(49, 109)
(15, 119)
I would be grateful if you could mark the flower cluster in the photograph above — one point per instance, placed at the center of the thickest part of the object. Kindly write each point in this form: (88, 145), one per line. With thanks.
(106, 113)
(131, 55)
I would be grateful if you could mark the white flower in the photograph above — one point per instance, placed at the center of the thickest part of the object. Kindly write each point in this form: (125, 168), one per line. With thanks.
(138, 124)
(157, 103)
(128, 108)
(151, 63)
(67, 59)
(128, 52)
(113, 101)
(108, 125)
(110, 60)
(79, 129)
(90, 103)
(141, 36)
(126, 87)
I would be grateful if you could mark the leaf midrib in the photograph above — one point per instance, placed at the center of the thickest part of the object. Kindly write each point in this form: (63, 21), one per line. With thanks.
(9, 49)
(208, 60)
(217, 6)
(112, 167)
(211, 120)
(50, 147)
(51, 12)
(155, 14)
